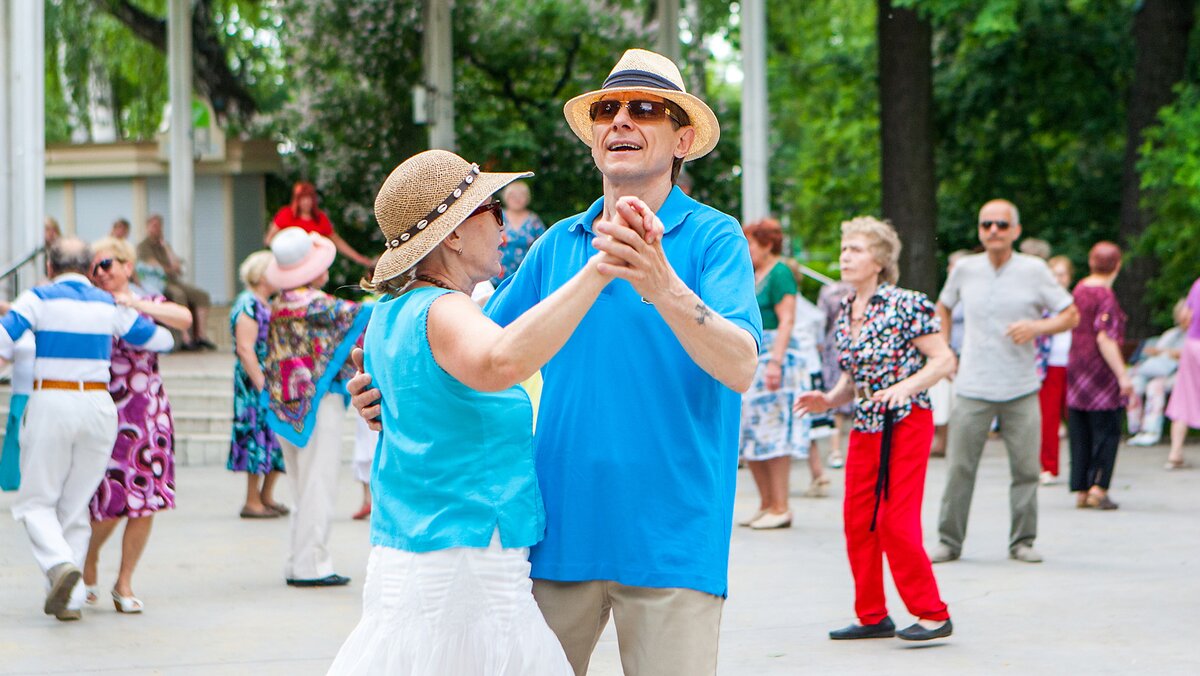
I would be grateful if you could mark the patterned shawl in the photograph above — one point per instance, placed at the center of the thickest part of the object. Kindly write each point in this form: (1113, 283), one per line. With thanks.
(308, 348)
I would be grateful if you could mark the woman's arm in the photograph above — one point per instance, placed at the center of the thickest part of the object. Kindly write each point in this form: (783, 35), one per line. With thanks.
(245, 335)
(486, 357)
(785, 310)
(939, 363)
(272, 230)
(1111, 352)
(348, 251)
(819, 402)
(171, 315)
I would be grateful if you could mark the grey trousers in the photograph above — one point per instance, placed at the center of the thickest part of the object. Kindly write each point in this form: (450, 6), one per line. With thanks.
(1020, 427)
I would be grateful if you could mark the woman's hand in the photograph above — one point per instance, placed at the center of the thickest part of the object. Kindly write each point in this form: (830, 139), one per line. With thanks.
(773, 378)
(895, 396)
(812, 402)
(1126, 384)
(125, 299)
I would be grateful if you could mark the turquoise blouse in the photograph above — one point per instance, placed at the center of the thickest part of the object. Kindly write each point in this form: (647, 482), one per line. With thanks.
(452, 464)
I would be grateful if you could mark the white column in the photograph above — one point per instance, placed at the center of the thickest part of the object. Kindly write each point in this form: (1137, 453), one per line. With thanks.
(667, 40)
(755, 203)
(22, 132)
(438, 48)
(182, 169)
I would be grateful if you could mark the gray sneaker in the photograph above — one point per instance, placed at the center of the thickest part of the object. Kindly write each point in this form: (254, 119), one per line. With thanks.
(1025, 553)
(941, 553)
(63, 579)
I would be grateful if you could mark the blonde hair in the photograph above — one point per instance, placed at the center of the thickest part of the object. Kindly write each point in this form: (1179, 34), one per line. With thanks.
(252, 269)
(117, 248)
(1062, 260)
(882, 241)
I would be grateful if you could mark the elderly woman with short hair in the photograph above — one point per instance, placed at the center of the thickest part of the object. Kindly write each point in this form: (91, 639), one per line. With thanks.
(1097, 380)
(891, 352)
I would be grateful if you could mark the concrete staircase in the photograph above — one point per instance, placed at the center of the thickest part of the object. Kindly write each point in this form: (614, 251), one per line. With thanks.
(200, 388)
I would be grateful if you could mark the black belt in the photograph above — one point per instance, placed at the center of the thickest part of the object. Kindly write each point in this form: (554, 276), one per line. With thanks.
(885, 462)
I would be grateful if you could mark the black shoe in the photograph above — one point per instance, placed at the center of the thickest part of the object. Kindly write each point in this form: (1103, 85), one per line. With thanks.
(333, 580)
(919, 633)
(187, 347)
(204, 344)
(884, 628)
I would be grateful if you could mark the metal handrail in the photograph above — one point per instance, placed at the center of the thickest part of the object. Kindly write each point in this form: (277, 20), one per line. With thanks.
(813, 274)
(13, 269)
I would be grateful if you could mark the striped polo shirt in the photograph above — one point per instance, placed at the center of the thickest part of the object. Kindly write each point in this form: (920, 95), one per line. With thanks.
(74, 323)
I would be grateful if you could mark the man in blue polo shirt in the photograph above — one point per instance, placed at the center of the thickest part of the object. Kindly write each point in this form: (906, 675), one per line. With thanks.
(637, 433)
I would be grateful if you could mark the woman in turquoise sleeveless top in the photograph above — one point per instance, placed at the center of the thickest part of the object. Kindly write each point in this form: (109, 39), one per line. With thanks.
(456, 504)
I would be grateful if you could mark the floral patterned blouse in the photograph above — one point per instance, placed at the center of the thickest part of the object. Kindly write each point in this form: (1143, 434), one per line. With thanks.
(884, 353)
(518, 237)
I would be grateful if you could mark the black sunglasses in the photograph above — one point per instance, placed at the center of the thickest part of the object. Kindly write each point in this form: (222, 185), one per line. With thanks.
(104, 264)
(493, 207)
(1000, 225)
(641, 111)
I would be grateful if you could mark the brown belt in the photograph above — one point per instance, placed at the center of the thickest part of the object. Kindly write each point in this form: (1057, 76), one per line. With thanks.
(68, 385)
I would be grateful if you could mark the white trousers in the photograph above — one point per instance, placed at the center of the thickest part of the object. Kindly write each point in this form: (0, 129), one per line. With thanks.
(312, 473)
(66, 441)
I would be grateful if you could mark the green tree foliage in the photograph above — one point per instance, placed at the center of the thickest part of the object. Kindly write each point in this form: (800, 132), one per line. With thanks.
(1030, 98)
(1170, 169)
(824, 117)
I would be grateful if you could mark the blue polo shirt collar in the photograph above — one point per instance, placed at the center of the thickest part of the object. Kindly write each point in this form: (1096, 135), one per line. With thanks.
(672, 213)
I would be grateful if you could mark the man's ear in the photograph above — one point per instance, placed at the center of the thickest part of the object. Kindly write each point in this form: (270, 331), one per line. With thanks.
(684, 144)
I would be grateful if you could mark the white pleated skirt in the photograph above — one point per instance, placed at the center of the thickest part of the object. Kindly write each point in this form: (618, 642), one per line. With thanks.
(455, 612)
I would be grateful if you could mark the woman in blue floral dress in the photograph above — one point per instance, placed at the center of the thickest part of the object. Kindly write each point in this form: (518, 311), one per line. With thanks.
(254, 448)
(521, 227)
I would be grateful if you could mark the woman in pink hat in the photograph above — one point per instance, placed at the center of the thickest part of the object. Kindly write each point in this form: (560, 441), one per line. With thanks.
(308, 344)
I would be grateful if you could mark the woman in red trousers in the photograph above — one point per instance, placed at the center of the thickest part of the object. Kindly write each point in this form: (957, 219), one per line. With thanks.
(891, 351)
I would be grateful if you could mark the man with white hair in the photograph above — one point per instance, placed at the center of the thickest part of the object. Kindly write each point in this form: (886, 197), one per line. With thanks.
(637, 435)
(70, 420)
(1005, 296)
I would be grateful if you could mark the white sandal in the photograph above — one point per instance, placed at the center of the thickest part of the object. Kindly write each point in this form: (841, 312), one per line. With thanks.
(93, 594)
(126, 604)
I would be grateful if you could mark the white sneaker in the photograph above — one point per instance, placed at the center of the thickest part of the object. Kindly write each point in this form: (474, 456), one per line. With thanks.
(1049, 479)
(1144, 439)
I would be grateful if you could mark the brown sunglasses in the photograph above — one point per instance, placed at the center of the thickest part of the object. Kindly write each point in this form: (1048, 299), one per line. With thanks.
(641, 111)
(494, 207)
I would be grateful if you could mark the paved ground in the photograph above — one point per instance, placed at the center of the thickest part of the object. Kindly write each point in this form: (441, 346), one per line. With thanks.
(1118, 592)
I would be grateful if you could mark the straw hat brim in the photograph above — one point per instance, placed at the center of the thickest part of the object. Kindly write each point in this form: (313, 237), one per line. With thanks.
(704, 121)
(398, 260)
(318, 260)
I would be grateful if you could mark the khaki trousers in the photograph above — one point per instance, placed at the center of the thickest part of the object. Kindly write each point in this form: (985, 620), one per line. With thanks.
(312, 473)
(660, 632)
(1020, 427)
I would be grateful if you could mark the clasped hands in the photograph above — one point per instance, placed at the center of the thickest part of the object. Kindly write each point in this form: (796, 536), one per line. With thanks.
(630, 248)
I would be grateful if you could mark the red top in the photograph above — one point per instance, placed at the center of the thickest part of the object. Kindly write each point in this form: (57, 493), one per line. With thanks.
(1091, 384)
(286, 218)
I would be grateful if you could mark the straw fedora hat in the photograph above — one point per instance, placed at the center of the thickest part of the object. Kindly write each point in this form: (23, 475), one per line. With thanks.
(423, 201)
(298, 257)
(640, 70)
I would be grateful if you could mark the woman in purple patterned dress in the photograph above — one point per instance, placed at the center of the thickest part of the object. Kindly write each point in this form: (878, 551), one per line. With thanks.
(140, 479)
(253, 448)
(1097, 381)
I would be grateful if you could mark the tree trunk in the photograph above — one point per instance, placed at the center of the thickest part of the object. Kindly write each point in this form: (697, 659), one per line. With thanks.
(906, 137)
(1160, 34)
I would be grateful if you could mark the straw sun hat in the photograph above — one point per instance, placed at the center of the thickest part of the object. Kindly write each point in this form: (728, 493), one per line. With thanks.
(423, 201)
(644, 71)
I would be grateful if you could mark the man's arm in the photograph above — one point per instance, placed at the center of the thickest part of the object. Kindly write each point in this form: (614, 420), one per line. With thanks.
(724, 350)
(1026, 330)
(945, 318)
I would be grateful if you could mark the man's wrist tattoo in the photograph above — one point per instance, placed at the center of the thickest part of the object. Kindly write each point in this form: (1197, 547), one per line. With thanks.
(702, 313)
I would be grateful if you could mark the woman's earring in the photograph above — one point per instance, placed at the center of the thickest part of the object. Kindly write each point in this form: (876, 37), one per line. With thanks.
(458, 251)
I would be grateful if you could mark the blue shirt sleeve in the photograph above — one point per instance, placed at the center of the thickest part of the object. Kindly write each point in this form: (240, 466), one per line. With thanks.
(727, 283)
(140, 332)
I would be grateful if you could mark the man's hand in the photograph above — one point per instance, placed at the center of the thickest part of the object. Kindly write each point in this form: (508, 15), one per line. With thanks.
(1022, 332)
(639, 246)
(363, 396)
